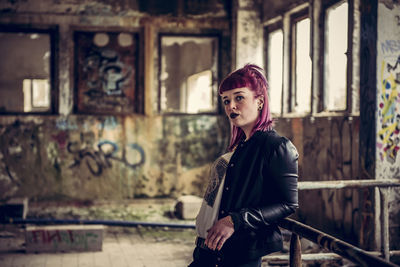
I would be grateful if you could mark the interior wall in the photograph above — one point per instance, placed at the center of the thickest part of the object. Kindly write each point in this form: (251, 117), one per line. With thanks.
(328, 151)
(87, 157)
(75, 156)
(388, 109)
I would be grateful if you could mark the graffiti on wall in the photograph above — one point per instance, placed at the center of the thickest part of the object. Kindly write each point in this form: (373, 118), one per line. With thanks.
(63, 239)
(17, 141)
(51, 154)
(388, 113)
(106, 72)
(100, 158)
(75, 156)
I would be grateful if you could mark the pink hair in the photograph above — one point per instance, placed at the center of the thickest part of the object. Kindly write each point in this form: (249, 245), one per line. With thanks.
(252, 77)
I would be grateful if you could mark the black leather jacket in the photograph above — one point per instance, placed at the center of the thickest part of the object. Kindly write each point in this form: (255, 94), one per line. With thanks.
(260, 189)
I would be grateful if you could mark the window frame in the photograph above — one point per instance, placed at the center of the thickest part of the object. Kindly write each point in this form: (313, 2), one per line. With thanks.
(277, 25)
(323, 107)
(292, 94)
(215, 78)
(53, 32)
(317, 13)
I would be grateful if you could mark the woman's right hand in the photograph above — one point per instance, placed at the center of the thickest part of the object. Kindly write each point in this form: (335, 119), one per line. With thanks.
(219, 233)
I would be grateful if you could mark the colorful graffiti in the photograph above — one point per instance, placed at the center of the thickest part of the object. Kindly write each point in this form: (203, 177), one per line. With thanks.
(100, 158)
(388, 113)
(63, 239)
(106, 73)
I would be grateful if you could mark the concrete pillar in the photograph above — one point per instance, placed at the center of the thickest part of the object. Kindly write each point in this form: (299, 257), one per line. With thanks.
(387, 158)
(248, 36)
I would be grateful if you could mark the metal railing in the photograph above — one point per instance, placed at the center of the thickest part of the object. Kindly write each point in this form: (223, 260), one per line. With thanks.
(346, 250)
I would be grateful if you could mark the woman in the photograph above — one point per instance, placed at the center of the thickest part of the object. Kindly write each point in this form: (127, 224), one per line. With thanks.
(252, 186)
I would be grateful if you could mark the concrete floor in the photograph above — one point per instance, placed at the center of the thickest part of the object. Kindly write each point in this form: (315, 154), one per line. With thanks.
(121, 248)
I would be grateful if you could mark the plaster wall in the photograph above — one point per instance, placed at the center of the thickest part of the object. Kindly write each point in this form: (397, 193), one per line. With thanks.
(388, 108)
(86, 157)
(89, 158)
(328, 151)
(75, 156)
(249, 34)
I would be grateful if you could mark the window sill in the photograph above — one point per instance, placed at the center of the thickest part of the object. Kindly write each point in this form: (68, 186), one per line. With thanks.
(326, 114)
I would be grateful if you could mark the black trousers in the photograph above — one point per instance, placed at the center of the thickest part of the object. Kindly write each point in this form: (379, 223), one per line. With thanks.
(209, 258)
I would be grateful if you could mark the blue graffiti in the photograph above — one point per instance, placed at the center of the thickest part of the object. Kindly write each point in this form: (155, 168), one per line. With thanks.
(107, 74)
(100, 159)
(390, 46)
(109, 123)
(65, 124)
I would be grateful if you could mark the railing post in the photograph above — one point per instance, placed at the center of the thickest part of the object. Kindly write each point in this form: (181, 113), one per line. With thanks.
(295, 251)
(385, 222)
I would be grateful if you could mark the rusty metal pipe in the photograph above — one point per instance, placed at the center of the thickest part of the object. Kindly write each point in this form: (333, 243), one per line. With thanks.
(295, 251)
(339, 184)
(385, 222)
(346, 250)
(103, 222)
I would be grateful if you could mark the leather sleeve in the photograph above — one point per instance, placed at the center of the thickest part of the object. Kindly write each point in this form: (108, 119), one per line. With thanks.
(283, 169)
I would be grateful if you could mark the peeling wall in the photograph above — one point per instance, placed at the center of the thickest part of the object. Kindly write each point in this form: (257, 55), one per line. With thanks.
(271, 9)
(248, 33)
(388, 107)
(87, 157)
(328, 150)
(76, 156)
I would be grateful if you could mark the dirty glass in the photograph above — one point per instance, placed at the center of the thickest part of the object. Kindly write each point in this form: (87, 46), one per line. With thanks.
(274, 70)
(188, 74)
(302, 79)
(335, 78)
(24, 72)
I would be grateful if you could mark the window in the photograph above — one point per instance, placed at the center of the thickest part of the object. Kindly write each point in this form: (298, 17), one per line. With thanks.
(188, 74)
(106, 72)
(36, 94)
(335, 66)
(199, 92)
(26, 70)
(275, 69)
(300, 65)
(299, 88)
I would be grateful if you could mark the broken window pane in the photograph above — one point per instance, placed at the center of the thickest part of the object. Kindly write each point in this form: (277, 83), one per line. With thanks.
(188, 75)
(36, 94)
(303, 66)
(274, 69)
(24, 72)
(335, 56)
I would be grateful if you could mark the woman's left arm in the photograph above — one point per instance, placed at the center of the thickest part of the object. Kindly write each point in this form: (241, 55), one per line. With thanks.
(283, 168)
